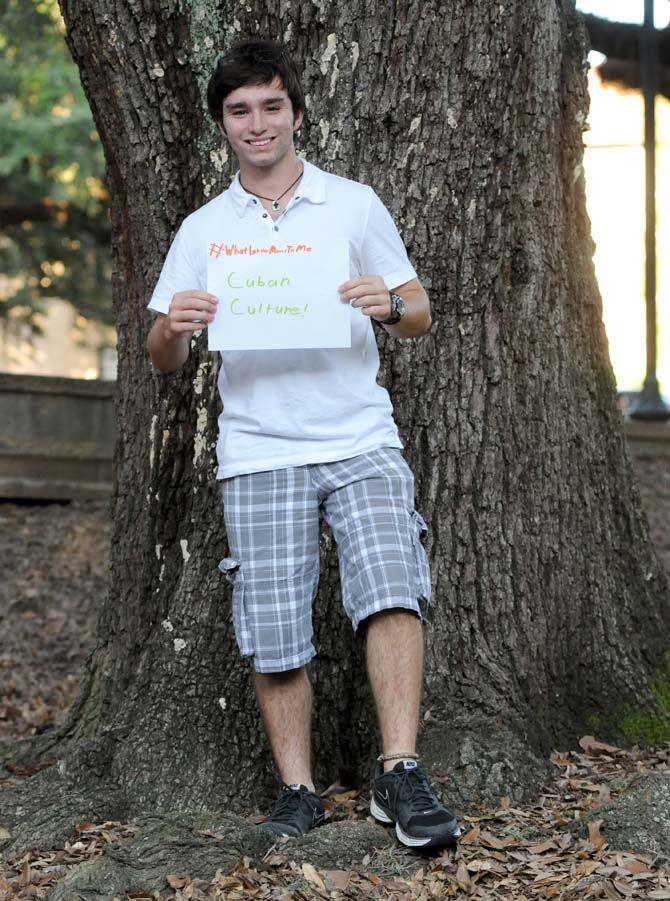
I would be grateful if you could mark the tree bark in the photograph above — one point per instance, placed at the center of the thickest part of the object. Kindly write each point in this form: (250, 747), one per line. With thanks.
(550, 614)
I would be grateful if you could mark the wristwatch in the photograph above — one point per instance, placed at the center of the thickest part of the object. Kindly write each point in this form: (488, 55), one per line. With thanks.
(398, 310)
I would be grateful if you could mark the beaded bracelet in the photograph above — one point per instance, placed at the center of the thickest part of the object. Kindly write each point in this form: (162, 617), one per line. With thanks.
(410, 754)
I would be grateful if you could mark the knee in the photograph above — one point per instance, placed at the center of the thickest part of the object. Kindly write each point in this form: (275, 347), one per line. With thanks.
(280, 677)
(390, 618)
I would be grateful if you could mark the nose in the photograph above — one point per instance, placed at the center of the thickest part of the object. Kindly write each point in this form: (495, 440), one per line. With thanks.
(257, 124)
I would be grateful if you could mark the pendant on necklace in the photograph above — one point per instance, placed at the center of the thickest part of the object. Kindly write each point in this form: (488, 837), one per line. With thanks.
(275, 204)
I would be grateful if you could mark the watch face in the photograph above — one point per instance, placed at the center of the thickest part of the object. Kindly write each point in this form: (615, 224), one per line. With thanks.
(398, 305)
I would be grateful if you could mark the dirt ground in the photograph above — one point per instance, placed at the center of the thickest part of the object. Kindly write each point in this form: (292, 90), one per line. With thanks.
(653, 481)
(53, 558)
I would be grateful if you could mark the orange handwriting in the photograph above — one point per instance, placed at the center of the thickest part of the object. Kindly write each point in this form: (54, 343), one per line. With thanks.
(230, 250)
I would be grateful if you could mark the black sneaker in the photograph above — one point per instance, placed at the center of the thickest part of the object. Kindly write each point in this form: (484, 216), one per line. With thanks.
(404, 796)
(295, 812)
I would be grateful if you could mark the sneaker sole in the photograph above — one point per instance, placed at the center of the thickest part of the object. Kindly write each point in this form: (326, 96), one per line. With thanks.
(408, 840)
(279, 832)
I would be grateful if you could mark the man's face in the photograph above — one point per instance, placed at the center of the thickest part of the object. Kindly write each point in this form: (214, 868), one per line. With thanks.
(258, 122)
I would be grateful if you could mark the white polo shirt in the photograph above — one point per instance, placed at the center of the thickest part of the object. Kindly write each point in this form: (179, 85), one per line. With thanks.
(292, 407)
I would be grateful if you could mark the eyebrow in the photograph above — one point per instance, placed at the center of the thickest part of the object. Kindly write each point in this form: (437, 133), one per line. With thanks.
(264, 101)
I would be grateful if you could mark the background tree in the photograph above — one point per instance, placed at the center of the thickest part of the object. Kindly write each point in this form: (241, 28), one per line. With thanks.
(550, 612)
(620, 42)
(54, 208)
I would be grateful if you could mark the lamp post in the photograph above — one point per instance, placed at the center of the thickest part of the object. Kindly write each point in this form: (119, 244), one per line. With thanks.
(649, 404)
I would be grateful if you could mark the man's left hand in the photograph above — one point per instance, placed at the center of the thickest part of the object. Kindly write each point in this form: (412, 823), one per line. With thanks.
(369, 293)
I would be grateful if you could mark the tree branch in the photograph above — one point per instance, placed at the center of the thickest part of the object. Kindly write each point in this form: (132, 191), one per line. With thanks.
(620, 42)
(77, 219)
(627, 74)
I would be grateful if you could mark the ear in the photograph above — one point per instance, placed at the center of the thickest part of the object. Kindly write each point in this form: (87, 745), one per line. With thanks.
(297, 121)
(219, 125)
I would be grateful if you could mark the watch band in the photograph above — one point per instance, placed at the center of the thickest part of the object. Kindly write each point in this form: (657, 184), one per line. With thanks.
(397, 310)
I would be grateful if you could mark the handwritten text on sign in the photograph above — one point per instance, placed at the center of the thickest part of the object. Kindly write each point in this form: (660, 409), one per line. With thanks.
(278, 297)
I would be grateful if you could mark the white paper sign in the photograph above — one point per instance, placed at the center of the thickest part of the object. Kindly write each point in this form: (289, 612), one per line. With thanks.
(279, 296)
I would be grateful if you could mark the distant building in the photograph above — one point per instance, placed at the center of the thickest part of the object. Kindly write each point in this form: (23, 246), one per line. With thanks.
(70, 345)
(615, 196)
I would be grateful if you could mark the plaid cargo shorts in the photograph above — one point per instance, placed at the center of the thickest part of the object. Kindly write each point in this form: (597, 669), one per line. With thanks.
(272, 522)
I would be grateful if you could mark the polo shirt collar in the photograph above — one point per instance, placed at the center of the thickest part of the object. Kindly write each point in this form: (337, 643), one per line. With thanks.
(311, 187)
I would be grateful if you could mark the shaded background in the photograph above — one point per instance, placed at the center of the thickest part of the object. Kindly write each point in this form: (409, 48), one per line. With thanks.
(55, 308)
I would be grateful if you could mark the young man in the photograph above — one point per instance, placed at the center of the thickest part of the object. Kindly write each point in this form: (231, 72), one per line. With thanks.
(309, 430)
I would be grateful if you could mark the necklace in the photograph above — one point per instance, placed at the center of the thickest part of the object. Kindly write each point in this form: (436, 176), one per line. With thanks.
(273, 201)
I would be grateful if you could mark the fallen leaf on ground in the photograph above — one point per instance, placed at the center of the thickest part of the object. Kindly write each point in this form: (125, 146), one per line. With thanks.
(540, 847)
(586, 867)
(488, 839)
(472, 835)
(595, 837)
(588, 743)
(633, 865)
(312, 876)
(336, 880)
(462, 876)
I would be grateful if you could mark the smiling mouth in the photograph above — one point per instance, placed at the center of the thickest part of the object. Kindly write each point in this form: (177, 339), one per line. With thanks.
(261, 143)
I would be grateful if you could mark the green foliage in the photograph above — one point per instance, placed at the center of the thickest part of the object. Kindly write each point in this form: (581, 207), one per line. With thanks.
(644, 727)
(637, 725)
(53, 203)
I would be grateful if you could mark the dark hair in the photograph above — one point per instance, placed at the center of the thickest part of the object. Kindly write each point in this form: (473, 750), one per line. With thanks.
(253, 62)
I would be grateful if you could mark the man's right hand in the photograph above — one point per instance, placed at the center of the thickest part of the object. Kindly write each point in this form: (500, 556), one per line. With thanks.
(169, 338)
(189, 311)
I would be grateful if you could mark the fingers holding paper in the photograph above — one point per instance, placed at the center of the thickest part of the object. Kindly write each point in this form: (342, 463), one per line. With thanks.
(369, 293)
(190, 311)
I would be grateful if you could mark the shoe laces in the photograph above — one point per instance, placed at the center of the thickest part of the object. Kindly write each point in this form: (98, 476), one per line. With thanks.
(288, 802)
(415, 788)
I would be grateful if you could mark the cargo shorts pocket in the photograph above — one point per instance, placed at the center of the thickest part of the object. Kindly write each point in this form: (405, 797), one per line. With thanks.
(232, 571)
(422, 566)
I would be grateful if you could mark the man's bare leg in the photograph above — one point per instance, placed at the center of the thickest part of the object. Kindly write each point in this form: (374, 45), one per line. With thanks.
(394, 653)
(395, 664)
(285, 702)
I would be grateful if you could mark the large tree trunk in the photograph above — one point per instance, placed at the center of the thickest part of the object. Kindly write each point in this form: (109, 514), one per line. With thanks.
(550, 609)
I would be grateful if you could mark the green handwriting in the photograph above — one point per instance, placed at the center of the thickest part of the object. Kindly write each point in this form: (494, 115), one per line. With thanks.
(265, 309)
(258, 282)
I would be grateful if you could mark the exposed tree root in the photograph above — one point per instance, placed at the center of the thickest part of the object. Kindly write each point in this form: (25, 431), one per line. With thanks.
(43, 812)
(477, 760)
(640, 817)
(197, 845)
